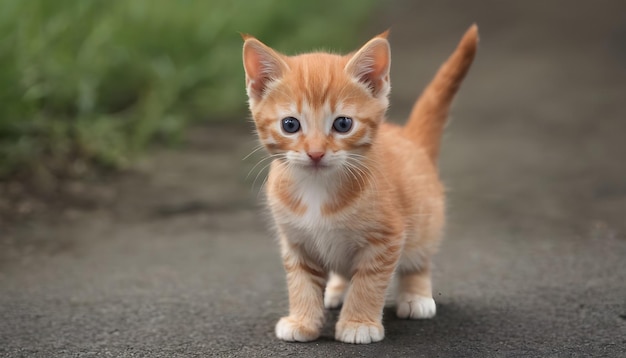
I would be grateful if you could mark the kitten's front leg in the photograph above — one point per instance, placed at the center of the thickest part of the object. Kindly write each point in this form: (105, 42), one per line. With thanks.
(305, 283)
(360, 320)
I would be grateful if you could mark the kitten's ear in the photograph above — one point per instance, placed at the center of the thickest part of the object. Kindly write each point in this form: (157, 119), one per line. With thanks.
(262, 65)
(370, 65)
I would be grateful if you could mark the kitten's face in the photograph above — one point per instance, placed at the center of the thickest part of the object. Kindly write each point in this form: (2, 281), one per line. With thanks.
(319, 112)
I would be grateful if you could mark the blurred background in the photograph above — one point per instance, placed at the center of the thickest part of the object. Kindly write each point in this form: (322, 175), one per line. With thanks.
(132, 218)
(90, 85)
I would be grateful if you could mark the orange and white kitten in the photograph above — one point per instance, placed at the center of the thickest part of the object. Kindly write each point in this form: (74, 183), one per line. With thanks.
(355, 200)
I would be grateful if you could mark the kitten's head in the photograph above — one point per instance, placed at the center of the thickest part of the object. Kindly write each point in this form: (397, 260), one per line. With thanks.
(318, 111)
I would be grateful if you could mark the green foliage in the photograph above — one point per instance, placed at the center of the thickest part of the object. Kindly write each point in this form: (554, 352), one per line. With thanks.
(96, 81)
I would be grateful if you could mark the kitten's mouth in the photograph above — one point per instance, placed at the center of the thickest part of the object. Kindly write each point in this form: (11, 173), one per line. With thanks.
(318, 166)
(315, 167)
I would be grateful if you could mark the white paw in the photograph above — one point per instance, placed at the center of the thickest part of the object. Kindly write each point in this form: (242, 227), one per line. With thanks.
(290, 330)
(416, 307)
(359, 333)
(333, 299)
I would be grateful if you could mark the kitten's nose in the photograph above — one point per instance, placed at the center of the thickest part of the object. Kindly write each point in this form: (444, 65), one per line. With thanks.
(316, 156)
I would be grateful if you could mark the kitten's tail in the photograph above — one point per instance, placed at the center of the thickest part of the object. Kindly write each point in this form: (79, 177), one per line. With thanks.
(429, 114)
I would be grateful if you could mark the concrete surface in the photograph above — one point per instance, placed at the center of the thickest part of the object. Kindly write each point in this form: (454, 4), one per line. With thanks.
(181, 263)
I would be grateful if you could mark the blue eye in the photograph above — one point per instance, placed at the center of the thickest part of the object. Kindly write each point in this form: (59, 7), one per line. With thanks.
(290, 125)
(342, 124)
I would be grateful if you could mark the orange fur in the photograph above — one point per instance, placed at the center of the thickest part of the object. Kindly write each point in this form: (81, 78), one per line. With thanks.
(430, 112)
(357, 206)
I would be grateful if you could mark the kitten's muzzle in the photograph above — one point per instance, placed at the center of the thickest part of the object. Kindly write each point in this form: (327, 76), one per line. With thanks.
(316, 157)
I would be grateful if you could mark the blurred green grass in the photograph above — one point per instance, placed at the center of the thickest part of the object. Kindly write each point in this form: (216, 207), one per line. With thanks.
(94, 82)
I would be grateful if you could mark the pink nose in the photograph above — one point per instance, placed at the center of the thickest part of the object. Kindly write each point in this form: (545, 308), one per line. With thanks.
(316, 156)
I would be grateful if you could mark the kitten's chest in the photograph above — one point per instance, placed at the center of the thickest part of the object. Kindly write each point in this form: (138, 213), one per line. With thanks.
(332, 239)
(303, 207)
(332, 246)
(312, 218)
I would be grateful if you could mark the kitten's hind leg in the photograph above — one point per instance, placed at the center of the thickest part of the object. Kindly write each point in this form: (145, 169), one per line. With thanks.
(415, 296)
(335, 291)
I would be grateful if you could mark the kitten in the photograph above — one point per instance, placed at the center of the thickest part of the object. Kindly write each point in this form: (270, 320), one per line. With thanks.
(355, 200)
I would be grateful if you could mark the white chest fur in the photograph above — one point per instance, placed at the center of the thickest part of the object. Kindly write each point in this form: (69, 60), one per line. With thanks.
(329, 239)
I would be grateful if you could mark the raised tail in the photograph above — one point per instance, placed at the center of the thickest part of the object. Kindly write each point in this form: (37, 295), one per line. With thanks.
(429, 114)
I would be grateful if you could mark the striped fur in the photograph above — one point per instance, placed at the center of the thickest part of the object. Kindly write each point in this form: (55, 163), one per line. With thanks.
(373, 205)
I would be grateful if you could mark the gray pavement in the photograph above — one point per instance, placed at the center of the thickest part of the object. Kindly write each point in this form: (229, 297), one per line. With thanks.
(180, 262)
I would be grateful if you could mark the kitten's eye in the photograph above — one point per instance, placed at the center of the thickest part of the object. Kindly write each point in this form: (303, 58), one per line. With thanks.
(290, 125)
(342, 124)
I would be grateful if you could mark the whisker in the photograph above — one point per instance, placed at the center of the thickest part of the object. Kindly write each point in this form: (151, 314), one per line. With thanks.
(357, 174)
(359, 160)
(259, 173)
(279, 164)
(261, 161)
(276, 159)
(259, 147)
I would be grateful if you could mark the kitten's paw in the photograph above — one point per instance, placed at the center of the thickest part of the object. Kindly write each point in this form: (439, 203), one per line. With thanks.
(333, 298)
(359, 332)
(416, 307)
(335, 291)
(292, 330)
